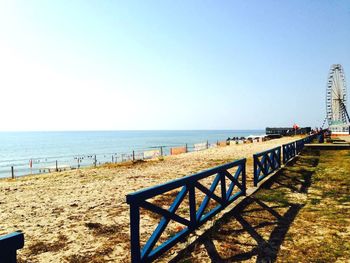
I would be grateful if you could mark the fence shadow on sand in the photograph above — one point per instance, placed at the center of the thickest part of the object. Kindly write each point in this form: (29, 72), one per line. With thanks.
(256, 228)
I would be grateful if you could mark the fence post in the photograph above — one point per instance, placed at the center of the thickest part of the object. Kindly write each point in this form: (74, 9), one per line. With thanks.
(192, 203)
(161, 150)
(186, 147)
(112, 159)
(279, 157)
(207, 144)
(296, 148)
(56, 166)
(255, 170)
(9, 244)
(133, 156)
(95, 161)
(265, 166)
(223, 187)
(244, 186)
(135, 233)
(12, 173)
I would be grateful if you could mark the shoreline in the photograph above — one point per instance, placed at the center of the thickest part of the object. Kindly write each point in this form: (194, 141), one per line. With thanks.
(39, 151)
(67, 215)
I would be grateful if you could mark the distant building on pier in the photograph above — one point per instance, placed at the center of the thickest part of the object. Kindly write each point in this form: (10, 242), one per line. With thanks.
(287, 131)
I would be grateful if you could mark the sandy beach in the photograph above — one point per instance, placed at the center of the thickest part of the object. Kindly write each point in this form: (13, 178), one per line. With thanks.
(81, 215)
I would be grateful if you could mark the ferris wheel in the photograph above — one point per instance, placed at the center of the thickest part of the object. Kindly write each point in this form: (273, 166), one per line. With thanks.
(336, 97)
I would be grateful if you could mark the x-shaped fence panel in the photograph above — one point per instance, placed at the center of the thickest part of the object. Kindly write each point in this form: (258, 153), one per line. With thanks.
(197, 196)
(266, 163)
(288, 151)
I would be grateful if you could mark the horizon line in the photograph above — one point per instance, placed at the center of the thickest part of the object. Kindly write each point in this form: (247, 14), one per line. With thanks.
(110, 130)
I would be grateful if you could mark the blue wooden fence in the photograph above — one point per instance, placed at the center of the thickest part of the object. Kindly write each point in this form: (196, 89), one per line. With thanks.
(9, 245)
(197, 217)
(288, 151)
(266, 163)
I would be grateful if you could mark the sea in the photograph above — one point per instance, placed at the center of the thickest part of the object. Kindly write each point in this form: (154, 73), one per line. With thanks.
(37, 152)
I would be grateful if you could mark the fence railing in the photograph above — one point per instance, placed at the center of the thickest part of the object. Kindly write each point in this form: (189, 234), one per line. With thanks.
(266, 163)
(224, 180)
(288, 151)
(9, 245)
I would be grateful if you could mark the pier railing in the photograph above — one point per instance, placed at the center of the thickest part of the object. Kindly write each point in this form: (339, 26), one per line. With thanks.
(9, 244)
(228, 184)
(266, 163)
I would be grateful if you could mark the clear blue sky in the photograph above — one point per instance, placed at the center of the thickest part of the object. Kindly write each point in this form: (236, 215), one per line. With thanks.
(97, 65)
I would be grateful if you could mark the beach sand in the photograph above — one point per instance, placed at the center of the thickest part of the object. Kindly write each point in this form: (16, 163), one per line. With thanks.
(81, 215)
